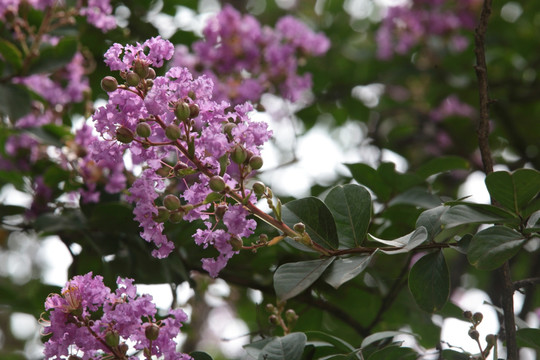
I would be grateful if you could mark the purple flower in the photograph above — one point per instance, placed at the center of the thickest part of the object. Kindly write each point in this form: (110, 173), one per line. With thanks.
(99, 14)
(236, 222)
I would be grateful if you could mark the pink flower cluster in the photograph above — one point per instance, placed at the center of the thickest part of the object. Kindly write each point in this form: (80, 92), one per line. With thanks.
(405, 26)
(245, 59)
(87, 321)
(186, 143)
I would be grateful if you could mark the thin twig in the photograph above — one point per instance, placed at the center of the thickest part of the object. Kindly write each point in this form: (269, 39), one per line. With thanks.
(519, 284)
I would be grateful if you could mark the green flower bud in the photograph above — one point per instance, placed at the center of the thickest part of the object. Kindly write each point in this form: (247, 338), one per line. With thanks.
(182, 111)
(151, 74)
(478, 317)
(259, 188)
(290, 316)
(176, 217)
(112, 338)
(151, 332)
(191, 94)
(216, 183)
(491, 339)
(474, 334)
(171, 202)
(256, 162)
(273, 319)
(124, 135)
(132, 79)
(193, 110)
(236, 243)
(238, 154)
(228, 128)
(263, 238)
(109, 83)
(299, 228)
(162, 215)
(140, 68)
(143, 130)
(173, 132)
(270, 308)
(220, 211)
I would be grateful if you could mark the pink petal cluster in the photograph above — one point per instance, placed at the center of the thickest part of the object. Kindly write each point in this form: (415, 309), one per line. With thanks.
(245, 59)
(86, 313)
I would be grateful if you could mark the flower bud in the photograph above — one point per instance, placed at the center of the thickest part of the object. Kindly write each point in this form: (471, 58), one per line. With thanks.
(143, 129)
(290, 316)
(124, 135)
(478, 317)
(228, 128)
(238, 154)
(162, 215)
(140, 68)
(149, 83)
(132, 79)
(220, 211)
(176, 217)
(259, 188)
(474, 334)
(192, 95)
(467, 315)
(236, 243)
(123, 347)
(173, 132)
(263, 238)
(491, 339)
(171, 202)
(182, 111)
(112, 338)
(256, 162)
(216, 183)
(151, 74)
(193, 110)
(299, 228)
(109, 83)
(270, 308)
(151, 332)
(273, 319)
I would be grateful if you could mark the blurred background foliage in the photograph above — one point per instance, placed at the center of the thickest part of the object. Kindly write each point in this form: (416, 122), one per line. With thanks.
(389, 106)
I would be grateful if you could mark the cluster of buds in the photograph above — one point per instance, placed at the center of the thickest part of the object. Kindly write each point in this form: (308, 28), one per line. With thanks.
(286, 319)
(491, 340)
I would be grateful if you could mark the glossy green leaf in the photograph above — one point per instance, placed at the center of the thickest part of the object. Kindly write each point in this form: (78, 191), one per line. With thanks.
(416, 196)
(254, 349)
(514, 190)
(529, 337)
(491, 247)
(440, 165)
(289, 347)
(431, 220)
(351, 207)
(345, 269)
(11, 54)
(212, 197)
(337, 342)
(476, 214)
(52, 58)
(293, 278)
(394, 352)
(429, 282)
(316, 216)
(369, 177)
(373, 338)
(405, 243)
(15, 101)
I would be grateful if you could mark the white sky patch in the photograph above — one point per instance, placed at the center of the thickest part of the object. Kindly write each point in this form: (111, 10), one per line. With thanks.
(55, 260)
(161, 294)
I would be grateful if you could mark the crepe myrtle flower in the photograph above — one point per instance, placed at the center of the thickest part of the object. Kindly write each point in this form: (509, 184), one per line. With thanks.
(195, 151)
(87, 320)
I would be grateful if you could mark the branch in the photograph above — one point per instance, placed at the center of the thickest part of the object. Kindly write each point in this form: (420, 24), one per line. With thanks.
(526, 282)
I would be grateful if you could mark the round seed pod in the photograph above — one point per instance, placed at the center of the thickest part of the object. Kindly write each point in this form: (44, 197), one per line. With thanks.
(109, 83)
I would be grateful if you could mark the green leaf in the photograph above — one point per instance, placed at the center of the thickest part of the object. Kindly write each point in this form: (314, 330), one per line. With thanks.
(449, 354)
(441, 164)
(416, 196)
(514, 191)
(289, 347)
(431, 220)
(528, 338)
(337, 342)
(254, 349)
(351, 207)
(394, 352)
(369, 177)
(293, 278)
(8, 210)
(373, 338)
(345, 269)
(11, 54)
(52, 58)
(491, 247)
(471, 213)
(15, 101)
(212, 197)
(429, 282)
(405, 243)
(200, 355)
(315, 215)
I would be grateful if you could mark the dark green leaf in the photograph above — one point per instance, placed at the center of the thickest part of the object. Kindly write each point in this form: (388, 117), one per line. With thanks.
(52, 58)
(338, 343)
(405, 243)
(431, 220)
(289, 347)
(429, 282)
(11, 54)
(441, 164)
(199, 355)
(212, 197)
(15, 101)
(373, 338)
(369, 177)
(8, 210)
(449, 354)
(514, 191)
(416, 196)
(394, 352)
(471, 213)
(529, 337)
(293, 278)
(318, 219)
(491, 247)
(254, 349)
(351, 207)
(345, 269)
